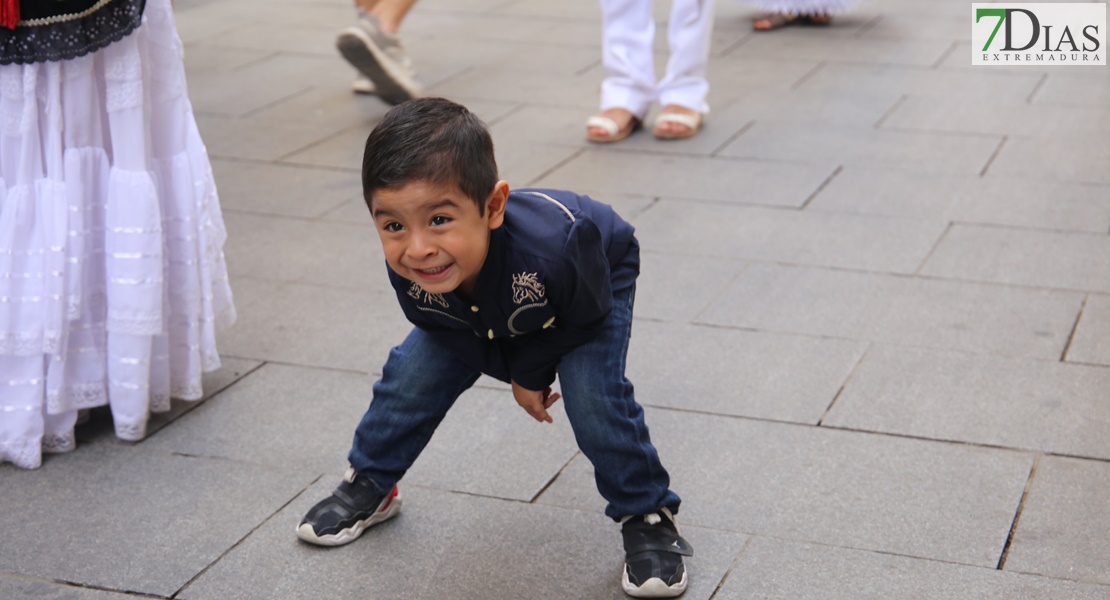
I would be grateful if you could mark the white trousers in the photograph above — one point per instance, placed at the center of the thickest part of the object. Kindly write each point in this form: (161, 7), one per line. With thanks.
(627, 39)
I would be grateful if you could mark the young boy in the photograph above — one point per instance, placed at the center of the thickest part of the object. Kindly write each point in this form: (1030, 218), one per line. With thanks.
(519, 286)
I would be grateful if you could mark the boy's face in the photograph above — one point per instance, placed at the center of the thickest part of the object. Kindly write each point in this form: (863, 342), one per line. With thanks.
(432, 234)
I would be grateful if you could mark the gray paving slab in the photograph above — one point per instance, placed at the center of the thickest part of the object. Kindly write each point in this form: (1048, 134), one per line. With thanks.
(283, 190)
(867, 242)
(1038, 405)
(451, 545)
(919, 498)
(983, 85)
(1014, 118)
(730, 181)
(1062, 530)
(26, 587)
(774, 569)
(1025, 202)
(830, 47)
(1054, 159)
(136, 507)
(206, 61)
(1060, 88)
(257, 138)
(99, 428)
(314, 326)
(1048, 259)
(302, 40)
(743, 373)
(521, 85)
(677, 288)
(525, 164)
(966, 316)
(1091, 341)
(311, 415)
(928, 152)
(1020, 202)
(330, 105)
(277, 248)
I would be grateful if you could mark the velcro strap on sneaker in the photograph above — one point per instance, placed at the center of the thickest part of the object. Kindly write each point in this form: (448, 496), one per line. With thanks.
(641, 537)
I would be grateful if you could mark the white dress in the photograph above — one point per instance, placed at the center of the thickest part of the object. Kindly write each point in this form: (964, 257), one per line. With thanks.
(112, 275)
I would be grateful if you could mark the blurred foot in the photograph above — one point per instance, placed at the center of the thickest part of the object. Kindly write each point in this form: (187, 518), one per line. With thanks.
(379, 56)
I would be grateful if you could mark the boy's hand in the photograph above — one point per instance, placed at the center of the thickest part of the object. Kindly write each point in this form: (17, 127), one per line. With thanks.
(535, 402)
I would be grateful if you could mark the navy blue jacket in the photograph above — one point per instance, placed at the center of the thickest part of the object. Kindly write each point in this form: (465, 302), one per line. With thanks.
(545, 288)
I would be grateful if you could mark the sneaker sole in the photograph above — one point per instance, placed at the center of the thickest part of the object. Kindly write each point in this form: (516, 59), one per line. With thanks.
(386, 511)
(392, 84)
(653, 588)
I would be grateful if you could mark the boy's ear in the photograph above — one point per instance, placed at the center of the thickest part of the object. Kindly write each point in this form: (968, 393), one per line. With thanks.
(495, 204)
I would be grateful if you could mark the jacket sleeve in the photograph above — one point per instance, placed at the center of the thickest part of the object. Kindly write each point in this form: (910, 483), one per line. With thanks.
(580, 295)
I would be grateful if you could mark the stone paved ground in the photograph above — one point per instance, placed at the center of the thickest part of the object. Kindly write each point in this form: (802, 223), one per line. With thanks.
(871, 333)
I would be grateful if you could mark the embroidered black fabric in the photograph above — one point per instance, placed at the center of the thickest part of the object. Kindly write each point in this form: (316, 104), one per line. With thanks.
(69, 38)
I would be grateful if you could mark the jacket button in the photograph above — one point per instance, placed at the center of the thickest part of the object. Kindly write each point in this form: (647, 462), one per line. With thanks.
(474, 308)
(491, 334)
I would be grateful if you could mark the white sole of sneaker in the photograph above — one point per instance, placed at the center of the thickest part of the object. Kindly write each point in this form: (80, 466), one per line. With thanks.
(392, 83)
(653, 588)
(386, 511)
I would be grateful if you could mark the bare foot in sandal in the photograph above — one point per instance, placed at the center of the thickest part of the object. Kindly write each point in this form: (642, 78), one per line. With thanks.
(771, 21)
(676, 122)
(611, 125)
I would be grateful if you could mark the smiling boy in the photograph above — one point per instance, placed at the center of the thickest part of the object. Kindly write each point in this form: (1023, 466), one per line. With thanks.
(522, 286)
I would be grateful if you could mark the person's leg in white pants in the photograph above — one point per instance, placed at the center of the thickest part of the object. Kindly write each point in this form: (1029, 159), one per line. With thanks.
(628, 30)
(684, 87)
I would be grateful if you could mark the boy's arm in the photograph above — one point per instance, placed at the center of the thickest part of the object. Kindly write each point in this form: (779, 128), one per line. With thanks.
(581, 296)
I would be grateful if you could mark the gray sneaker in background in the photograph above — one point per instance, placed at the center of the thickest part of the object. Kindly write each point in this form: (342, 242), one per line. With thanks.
(378, 55)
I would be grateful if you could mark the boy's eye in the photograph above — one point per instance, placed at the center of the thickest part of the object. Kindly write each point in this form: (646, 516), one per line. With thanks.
(393, 227)
(440, 220)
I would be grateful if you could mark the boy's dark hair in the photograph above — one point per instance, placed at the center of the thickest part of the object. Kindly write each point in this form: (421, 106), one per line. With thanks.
(434, 140)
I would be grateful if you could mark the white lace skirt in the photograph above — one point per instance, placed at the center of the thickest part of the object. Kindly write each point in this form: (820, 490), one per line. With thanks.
(112, 275)
(805, 7)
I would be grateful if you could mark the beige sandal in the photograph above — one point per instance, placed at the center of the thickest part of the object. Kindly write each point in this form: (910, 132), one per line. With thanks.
(692, 123)
(613, 132)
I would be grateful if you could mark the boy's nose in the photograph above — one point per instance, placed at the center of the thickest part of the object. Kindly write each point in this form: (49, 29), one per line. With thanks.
(420, 246)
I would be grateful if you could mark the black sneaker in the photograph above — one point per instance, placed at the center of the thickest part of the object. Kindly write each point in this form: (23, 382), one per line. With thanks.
(653, 552)
(341, 517)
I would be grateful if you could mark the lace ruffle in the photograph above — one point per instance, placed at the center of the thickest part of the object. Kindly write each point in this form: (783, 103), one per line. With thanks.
(41, 36)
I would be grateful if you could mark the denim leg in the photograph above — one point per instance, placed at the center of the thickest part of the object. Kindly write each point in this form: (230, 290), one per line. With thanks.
(608, 423)
(420, 381)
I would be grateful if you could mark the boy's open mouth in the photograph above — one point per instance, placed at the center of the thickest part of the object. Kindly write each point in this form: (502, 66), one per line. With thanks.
(433, 272)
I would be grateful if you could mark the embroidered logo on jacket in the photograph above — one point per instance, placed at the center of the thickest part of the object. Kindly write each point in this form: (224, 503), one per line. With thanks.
(526, 286)
(420, 295)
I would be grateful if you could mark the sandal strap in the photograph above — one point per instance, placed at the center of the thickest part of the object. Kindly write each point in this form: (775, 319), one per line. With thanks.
(690, 121)
(641, 537)
(609, 125)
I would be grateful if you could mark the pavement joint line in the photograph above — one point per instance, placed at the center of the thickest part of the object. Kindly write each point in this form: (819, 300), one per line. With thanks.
(844, 384)
(993, 156)
(1031, 228)
(1017, 513)
(820, 188)
(944, 56)
(319, 142)
(254, 111)
(932, 251)
(574, 155)
(893, 109)
(820, 66)
(1036, 88)
(731, 566)
(868, 26)
(281, 162)
(1074, 329)
(554, 478)
(722, 291)
(715, 153)
(249, 533)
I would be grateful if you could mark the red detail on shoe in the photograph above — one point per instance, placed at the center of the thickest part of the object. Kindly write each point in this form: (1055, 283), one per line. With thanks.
(389, 500)
(9, 13)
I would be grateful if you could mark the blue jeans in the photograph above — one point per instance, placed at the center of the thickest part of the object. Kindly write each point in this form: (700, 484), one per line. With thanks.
(422, 379)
